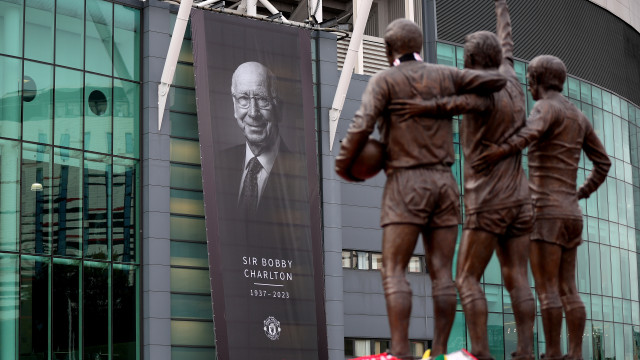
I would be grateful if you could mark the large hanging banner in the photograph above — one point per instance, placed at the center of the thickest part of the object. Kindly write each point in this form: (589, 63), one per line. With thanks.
(261, 190)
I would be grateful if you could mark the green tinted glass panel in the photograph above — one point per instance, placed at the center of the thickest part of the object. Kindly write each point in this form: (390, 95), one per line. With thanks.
(10, 96)
(186, 202)
(68, 108)
(596, 307)
(97, 109)
(614, 235)
(184, 125)
(458, 336)
(625, 145)
(37, 105)
(574, 88)
(446, 54)
(633, 274)
(615, 105)
(617, 310)
(186, 52)
(606, 101)
(184, 75)
(495, 332)
(191, 306)
(99, 37)
(595, 271)
(583, 269)
(598, 339)
(608, 132)
(11, 28)
(38, 30)
(195, 333)
(34, 307)
(521, 71)
(492, 273)
(35, 224)
(125, 187)
(65, 299)
(603, 226)
(70, 33)
(624, 109)
(10, 190)
(607, 308)
(585, 92)
(635, 311)
(68, 202)
(612, 193)
(183, 100)
(187, 228)
(126, 42)
(625, 270)
(186, 151)
(125, 312)
(9, 320)
(605, 261)
(186, 176)
(190, 280)
(96, 321)
(628, 342)
(510, 335)
(126, 119)
(617, 138)
(609, 341)
(587, 341)
(97, 203)
(192, 353)
(189, 254)
(596, 97)
(622, 203)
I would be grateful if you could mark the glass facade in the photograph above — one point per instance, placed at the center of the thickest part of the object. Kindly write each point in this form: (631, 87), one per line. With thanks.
(192, 335)
(607, 264)
(69, 189)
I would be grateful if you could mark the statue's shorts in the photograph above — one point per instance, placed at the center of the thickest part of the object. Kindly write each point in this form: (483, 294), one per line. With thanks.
(424, 196)
(564, 232)
(509, 222)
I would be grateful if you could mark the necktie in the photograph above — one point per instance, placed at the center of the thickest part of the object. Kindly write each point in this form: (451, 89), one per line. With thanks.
(249, 195)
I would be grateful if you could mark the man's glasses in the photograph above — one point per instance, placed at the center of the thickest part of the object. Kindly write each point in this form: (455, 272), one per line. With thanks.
(244, 101)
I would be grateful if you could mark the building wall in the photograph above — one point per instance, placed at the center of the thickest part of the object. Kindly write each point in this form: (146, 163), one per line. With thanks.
(627, 10)
(70, 179)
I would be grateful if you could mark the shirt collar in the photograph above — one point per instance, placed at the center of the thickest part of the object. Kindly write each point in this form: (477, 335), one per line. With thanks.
(266, 159)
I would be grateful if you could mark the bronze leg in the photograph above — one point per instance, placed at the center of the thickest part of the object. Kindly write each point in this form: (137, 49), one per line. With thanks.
(514, 256)
(440, 246)
(545, 265)
(475, 252)
(571, 302)
(398, 242)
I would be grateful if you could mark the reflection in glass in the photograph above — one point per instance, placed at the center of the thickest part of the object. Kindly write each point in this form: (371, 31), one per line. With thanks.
(192, 333)
(96, 206)
(35, 218)
(65, 300)
(126, 42)
(67, 198)
(70, 33)
(11, 30)
(10, 99)
(95, 290)
(125, 312)
(97, 111)
(189, 254)
(9, 194)
(99, 37)
(68, 108)
(38, 30)
(126, 118)
(9, 310)
(126, 180)
(186, 202)
(38, 113)
(186, 176)
(34, 307)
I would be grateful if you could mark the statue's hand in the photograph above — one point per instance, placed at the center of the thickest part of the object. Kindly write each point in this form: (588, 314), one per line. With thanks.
(582, 193)
(343, 169)
(406, 109)
(487, 160)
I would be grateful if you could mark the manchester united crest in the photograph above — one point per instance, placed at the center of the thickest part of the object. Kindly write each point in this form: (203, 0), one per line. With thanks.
(272, 328)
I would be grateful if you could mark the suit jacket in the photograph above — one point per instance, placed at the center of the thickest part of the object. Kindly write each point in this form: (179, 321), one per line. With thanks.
(283, 201)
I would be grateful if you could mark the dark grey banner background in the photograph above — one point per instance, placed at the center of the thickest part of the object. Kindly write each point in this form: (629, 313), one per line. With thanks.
(248, 286)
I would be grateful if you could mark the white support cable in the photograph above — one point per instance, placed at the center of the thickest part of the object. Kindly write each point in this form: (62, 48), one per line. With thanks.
(272, 9)
(172, 57)
(347, 68)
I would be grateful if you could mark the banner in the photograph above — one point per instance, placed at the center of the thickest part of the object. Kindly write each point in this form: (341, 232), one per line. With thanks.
(261, 189)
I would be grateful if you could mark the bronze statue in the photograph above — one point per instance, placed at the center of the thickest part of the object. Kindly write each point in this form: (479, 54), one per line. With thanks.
(421, 195)
(556, 133)
(499, 213)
